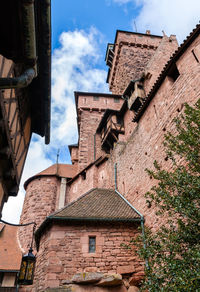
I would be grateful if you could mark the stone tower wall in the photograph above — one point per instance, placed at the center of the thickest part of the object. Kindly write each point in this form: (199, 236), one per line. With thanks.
(131, 54)
(40, 201)
(90, 112)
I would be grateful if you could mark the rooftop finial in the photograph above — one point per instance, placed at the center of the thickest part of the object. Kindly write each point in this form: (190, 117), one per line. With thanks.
(58, 153)
(135, 26)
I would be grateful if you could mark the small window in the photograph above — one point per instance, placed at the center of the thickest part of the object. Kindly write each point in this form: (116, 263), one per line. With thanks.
(95, 98)
(116, 99)
(92, 244)
(83, 174)
(173, 72)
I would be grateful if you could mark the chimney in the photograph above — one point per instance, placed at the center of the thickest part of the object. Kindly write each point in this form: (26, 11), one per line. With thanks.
(148, 31)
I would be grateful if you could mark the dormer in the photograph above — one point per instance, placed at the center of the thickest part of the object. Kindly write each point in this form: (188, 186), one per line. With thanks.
(134, 94)
(110, 127)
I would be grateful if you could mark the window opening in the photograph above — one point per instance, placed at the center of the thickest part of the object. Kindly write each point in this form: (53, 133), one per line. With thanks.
(92, 244)
(195, 56)
(173, 72)
(95, 98)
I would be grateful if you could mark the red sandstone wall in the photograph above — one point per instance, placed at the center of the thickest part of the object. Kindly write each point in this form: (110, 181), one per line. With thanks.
(90, 112)
(64, 252)
(145, 143)
(40, 201)
(89, 122)
(132, 53)
(81, 185)
(155, 65)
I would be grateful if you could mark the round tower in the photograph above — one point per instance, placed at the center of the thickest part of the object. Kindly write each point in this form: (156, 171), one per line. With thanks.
(43, 192)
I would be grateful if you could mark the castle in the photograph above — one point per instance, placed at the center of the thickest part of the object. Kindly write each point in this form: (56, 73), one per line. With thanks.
(86, 211)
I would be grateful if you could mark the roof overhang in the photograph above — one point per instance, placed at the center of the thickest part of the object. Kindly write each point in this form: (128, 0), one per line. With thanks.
(18, 40)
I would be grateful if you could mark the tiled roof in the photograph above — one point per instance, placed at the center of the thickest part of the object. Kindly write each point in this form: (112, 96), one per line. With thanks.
(61, 170)
(98, 204)
(10, 253)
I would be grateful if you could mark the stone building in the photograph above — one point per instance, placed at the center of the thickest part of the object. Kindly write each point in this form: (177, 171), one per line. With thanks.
(86, 212)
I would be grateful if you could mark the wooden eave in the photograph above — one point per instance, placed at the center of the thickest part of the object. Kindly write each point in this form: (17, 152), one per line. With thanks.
(12, 47)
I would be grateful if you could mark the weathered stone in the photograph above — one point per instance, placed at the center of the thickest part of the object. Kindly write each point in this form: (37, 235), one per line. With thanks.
(136, 280)
(59, 289)
(86, 288)
(87, 277)
(126, 283)
(133, 289)
(110, 280)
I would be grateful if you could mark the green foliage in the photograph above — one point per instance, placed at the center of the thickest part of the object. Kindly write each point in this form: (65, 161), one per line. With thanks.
(173, 252)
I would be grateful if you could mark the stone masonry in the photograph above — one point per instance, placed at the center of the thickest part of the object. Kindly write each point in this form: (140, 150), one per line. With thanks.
(169, 80)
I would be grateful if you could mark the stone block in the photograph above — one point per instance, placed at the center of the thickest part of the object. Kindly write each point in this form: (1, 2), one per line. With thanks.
(87, 277)
(110, 280)
(136, 280)
(133, 289)
(125, 269)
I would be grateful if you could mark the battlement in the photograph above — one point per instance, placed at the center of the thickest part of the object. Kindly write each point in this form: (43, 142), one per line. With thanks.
(128, 57)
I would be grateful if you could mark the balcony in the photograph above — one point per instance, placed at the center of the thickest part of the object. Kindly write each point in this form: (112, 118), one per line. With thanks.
(134, 94)
(109, 133)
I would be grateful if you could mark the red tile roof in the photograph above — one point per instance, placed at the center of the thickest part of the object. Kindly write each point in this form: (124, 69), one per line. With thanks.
(98, 204)
(10, 253)
(60, 170)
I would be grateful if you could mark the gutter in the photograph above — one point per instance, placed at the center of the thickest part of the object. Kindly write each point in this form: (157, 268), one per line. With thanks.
(28, 23)
(141, 216)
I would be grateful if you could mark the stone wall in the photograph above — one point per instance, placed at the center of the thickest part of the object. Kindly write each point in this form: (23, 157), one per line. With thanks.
(64, 252)
(166, 48)
(145, 143)
(131, 55)
(90, 111)
(40, 201)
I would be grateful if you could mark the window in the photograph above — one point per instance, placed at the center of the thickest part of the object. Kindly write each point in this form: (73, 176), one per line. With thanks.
(116, 99)
(83, 174)
(173, 72)
(95, 98)
(92, 244)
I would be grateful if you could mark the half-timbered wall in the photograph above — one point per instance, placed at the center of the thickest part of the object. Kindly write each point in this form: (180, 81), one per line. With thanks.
(15, 133)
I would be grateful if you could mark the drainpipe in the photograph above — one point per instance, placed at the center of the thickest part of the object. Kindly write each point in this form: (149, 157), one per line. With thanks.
(18, 82)
(94, 146)
(141, 216)
(28, 22)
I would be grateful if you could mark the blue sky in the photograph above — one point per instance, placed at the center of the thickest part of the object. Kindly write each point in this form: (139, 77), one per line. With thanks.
(81, 30)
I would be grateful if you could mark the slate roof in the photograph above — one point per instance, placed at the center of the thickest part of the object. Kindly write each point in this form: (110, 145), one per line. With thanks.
(98, 204)
(10, 253)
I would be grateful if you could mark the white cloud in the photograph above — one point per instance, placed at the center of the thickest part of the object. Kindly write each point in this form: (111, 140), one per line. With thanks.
(173, 16)
(73, 68)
